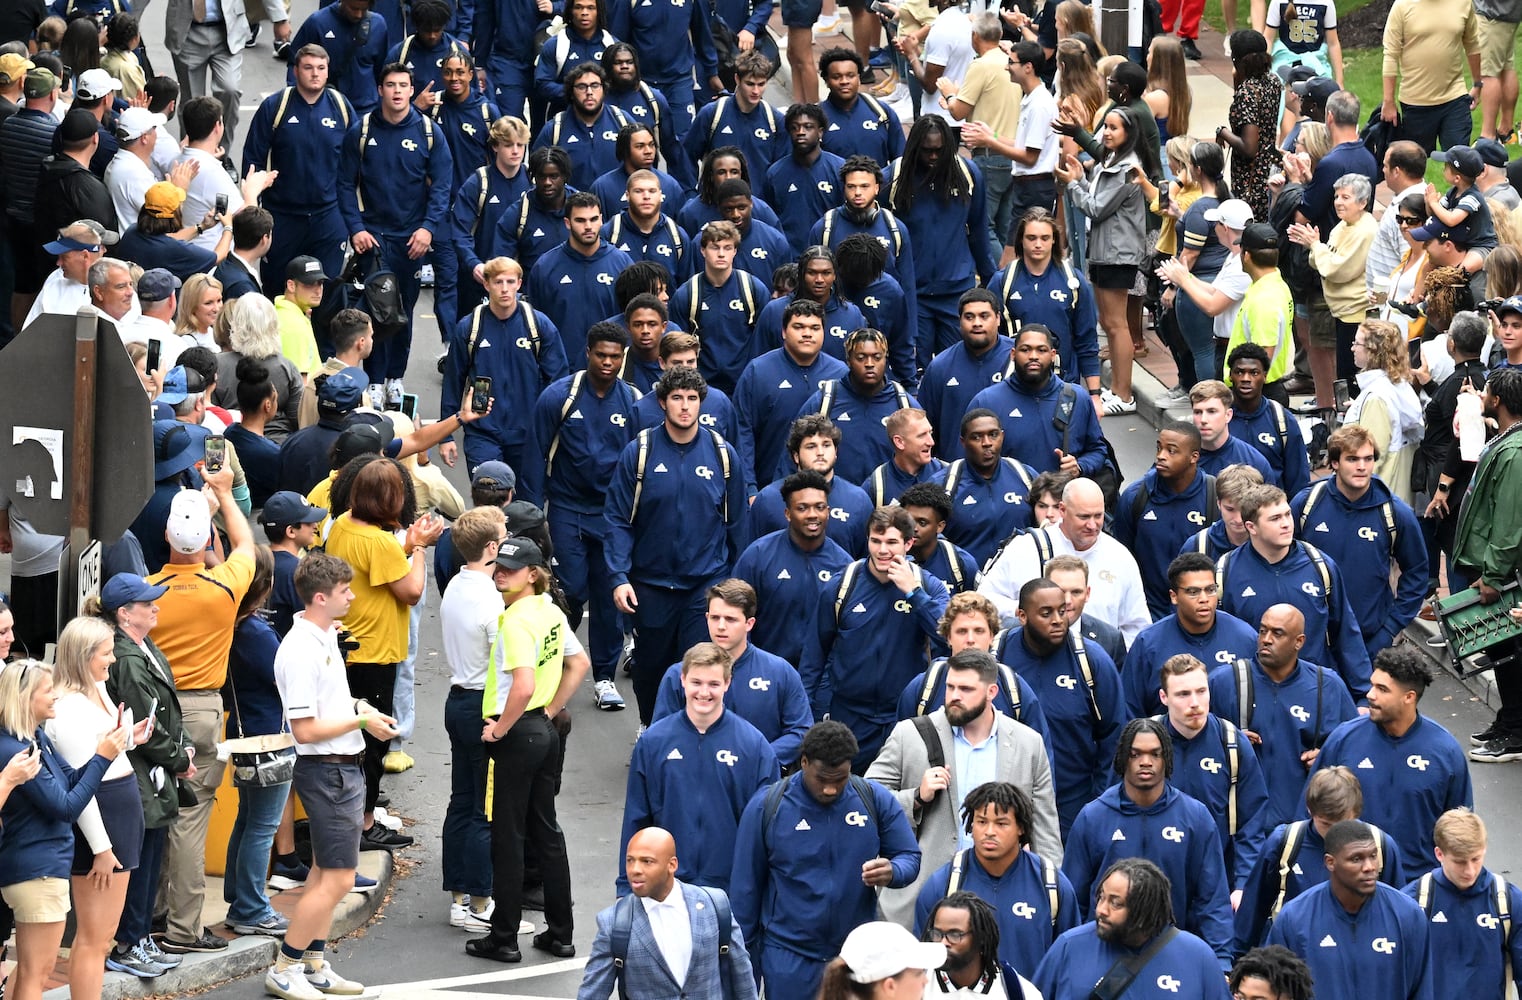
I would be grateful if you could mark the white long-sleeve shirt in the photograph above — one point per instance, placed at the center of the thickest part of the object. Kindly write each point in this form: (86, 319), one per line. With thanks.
(1115, 584)
(76, 728)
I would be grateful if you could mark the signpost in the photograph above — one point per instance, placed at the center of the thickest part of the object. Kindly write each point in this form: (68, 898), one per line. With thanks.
(79, 428)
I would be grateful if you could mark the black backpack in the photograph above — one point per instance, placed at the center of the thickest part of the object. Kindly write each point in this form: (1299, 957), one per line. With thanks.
(368, 285)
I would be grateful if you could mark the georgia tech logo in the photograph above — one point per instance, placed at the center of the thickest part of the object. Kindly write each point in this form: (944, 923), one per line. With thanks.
(524, 343)
(329, 123)
(1487, 921)
(824, 576)
(410, 145)
(902, 606)
(1417, 762)
(1174, 834)
(1311, 589)
(854, 818)
(1196, 517)
(737, 305)
(468, 128)
(872, 302)
(726, 757)
(707, 420)
(1266, 438)
(1167, 982)
(1210, 764)
(703, 472)
(1023, 910)
(1223, 656)
(618, 419)
(838, 332)
(825, 187)
(870, 125)
(1013, 499)
(1066, 682)
(609, 136)
(663, 250)
(1058, 295)
(1299, 713)
(1367, 533)
(758, 253)
(605, 279)
(838, 514)
(1383, 945)
(759, 684)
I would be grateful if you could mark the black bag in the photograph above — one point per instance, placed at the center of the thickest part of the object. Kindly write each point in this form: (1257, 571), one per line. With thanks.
(368, 285)
(1125, 970)
(726, 44)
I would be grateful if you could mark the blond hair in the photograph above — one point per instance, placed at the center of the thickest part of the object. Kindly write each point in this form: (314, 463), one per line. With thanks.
(19, 682)
(708, 654)
(1460, 833)
(1334, 793)
(77, 644)
(501, 265)
(1235, 480)
(508, 129)
(192, 294)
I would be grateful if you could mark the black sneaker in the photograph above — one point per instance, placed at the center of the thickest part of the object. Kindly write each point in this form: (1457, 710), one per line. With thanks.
(378, 838)
(1486, 735)
(207, 942)
(1191, 50)
(1501, 751)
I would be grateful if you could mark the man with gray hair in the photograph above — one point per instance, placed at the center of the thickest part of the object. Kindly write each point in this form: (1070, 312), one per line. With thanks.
(988, 95)
(77, 248)
(112, 291)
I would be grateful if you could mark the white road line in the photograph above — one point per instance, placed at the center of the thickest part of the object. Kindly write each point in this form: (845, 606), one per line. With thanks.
(511, 975)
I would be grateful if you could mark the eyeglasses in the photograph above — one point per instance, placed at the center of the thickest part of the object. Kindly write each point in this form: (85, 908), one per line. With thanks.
(954, 937)
(1409, 220)
(1209, 591)
(1360, 343)
(586, 88)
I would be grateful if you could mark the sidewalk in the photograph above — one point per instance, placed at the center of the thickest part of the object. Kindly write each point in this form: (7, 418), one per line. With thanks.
(244, 954)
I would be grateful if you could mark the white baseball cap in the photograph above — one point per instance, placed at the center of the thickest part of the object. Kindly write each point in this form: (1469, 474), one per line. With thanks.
(134, 122)
(881, 950)
(97, 83)
(189, 527)
(1232, 213)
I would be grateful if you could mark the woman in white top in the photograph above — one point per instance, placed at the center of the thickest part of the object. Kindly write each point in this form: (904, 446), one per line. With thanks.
(200, 304)
(109, 833)
(1387, 405)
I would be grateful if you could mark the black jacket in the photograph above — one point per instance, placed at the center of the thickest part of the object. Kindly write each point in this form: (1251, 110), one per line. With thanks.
(66, 193)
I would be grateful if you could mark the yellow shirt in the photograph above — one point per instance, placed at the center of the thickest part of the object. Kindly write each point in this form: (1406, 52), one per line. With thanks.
(530, 632)
(991, 96)
(322, 496)
(376, 618)
(197, 616)
(297, 342)
(1267, 318)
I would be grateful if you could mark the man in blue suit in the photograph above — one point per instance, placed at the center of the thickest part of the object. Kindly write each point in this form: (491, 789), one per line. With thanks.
(681, 959)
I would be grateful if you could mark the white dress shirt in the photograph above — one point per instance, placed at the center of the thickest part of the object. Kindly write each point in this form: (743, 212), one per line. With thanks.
(672, 929)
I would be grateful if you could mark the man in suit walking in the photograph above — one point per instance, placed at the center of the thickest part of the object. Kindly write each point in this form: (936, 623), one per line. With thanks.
(672, 944)
(209, 36)
(974, 744)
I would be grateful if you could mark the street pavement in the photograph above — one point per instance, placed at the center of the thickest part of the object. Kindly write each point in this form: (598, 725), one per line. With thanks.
(410, 949)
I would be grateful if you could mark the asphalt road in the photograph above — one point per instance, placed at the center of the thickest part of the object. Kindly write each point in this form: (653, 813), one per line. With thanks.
(410, 949)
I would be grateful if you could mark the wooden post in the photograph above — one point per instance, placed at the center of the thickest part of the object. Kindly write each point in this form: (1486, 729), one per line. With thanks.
(81, 455)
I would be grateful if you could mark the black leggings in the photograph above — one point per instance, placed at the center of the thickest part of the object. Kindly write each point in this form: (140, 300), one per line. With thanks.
(375, 683)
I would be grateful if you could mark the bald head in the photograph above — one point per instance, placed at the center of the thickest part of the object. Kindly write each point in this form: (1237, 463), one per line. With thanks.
(1084, 491)
(650, 863)
(1280, 638)
(1083, 513)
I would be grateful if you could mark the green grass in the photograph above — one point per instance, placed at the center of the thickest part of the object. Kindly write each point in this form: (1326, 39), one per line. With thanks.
(1216, 20)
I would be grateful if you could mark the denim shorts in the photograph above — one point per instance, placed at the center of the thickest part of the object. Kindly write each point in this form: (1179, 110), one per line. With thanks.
(801, 13)
(334, 798)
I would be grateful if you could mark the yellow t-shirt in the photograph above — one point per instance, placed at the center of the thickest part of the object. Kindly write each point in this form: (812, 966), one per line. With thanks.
(377, 620)
(1267, 318)
(196, 618)
(991, 96)
(297, 342)
(530, 631)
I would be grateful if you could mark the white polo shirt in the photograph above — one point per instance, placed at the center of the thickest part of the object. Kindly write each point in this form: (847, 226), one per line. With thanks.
(309, 671)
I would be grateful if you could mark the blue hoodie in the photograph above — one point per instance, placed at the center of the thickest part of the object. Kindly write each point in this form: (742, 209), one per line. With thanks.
(1216, 541)
(1250, 585)
(666, 244)
(1359, 533)
(593, 148)
(466, 126)
(39, 815)
(718, 414)
(357, 51)
(868, 127)
(797, 885)
(787, 581)
(763, 248)
(887, 307)
(1475, 943)
(400, 182)
(953, 566)
(304, 146)
(1202, 770)
(575, 290)
(684, 496)
(696, 785)
(1284, 715)
(840, 317)
(764, 691)
(891, 233)
(673, 38)
(1021, 901)
(1029, 434)
(888, 482)
(1177, 834)
(519, 366)
(588, 436)
(476, 218)
(1162, 522)
(648, 106)
(1085, 724)
(864, 445)
(767, 396)
(760, 135)
(724, 319)
(612, 189)
(1382, 951)
(561, 52)
(950, 382)
(950, 236)
(849, 509)
(504, 36)
(984, 512)
(427, 64)
(1276, 433)
(1237, 452)
(1303, 872)
(1228, 639)
(1184, 967)
(528, 230)
(1408, 781)
(802, 192)
(1065, 307)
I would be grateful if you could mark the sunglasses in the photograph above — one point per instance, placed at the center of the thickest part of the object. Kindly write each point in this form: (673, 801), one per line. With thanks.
(1409, 220)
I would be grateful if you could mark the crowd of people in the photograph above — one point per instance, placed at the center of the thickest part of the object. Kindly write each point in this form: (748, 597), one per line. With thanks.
(799, 417)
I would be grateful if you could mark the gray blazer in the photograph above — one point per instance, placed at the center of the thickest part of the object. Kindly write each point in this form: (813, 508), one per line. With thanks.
(180, 15)
(646, 975)
(1021, 760)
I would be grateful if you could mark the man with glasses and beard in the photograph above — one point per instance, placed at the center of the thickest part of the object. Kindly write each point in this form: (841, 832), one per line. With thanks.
(966, 925)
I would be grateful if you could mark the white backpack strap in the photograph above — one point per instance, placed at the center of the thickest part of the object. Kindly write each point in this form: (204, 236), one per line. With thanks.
(1233, 760)
(1294, 834)
(639, 472)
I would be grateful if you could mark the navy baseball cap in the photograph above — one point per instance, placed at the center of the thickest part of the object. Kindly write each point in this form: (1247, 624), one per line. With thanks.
(1511, 305)
(494, 475)
(288, 508)
(1465, 159)
(129, 588)
(342, 391)
(156, 285)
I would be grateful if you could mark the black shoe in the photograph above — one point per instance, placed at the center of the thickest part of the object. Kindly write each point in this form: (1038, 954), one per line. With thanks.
(378, 838)
(383, 800)
(160, 925)
(282, 50)
(1486, 735)
(1191, 50)
(1507, 748)
(533, 898)
(207, 942)
(253, 32)
(497, 951)
(560, 949)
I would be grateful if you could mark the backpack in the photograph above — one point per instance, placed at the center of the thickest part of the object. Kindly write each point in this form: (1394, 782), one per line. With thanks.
(559, 120)
(1007, 680)
(1503, 914)
(1013, 325)
(954, 474)
(827, 395)
(1294, 836)
(722, 103)
(1318, 490)
(623, 926)
(1317, 558)
(644, 454)
(368, 285)
(695, 298)
(1231, 744)
(1247, 695)
(848, 580)
(565, 410)
(481, 196)
(1143, 497)
(1108, 476)
(679, 241)
(475, 333)
(285, 99)
(898, 236)
(861, 786)
(1048, 880)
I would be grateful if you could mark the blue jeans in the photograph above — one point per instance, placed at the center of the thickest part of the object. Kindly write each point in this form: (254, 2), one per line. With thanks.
(1198, 331)
(998, 191)
(248, 852)
(403, 699)
(467, 834)
(142, 886)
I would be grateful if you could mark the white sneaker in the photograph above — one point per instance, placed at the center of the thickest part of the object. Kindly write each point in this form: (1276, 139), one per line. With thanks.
(425, 275)
(290, 983)
(608, 698)
(394, 393)
(377, 396)
(1115, 406)
(326, 980)
(525, 927)
(466, 919)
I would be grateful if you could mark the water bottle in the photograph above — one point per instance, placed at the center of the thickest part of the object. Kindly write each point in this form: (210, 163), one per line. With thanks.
(1471, 426)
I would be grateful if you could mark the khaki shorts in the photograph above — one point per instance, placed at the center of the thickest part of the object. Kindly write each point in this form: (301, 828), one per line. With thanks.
(39, 900)
(1323, 325)
(1498, 41)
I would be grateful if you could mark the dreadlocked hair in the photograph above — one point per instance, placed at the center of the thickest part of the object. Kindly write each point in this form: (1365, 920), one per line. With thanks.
(1286, 973)
(1128, 735)
(1004, 797)
(1447, 293)
(981, 921)
(945, 179)
(1149, 898)
(708, 188)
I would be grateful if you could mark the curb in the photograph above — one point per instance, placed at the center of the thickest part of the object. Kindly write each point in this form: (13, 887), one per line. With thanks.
(244, 955)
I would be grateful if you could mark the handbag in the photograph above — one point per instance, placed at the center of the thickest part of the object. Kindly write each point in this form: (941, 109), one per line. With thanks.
(260, 761)
(1126, 969)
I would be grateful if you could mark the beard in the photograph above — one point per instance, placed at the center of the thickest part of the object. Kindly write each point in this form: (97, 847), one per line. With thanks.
(859, 216)
(961, 715)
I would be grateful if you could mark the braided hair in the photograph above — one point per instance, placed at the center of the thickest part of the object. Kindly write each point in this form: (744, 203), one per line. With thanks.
(981, 920)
